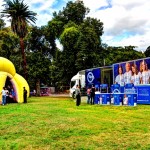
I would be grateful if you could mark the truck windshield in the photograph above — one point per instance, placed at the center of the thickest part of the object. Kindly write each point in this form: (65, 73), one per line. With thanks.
(72, 83)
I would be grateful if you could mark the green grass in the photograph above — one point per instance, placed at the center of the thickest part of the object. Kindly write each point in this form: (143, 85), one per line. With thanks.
(57, 124)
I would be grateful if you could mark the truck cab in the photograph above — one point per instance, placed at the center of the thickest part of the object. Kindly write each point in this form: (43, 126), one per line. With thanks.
(78, 79)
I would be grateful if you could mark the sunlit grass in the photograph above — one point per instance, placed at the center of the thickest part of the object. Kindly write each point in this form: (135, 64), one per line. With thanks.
(56, 123)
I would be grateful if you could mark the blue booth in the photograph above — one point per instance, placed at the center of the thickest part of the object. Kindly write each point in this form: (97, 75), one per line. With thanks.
(131, 93)
(102, 97)
(116, 94)
(97, 97)
(105, 96)
(118, 98)
(117, 86)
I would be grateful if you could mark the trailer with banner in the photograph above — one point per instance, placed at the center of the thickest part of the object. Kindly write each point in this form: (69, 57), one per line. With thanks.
(134, 83)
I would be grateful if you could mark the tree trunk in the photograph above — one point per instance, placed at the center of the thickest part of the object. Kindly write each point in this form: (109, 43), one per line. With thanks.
(23, 58)
(38, 87)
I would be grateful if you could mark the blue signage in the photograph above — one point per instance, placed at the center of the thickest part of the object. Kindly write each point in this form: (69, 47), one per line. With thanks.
(92, 77)
(143, 94)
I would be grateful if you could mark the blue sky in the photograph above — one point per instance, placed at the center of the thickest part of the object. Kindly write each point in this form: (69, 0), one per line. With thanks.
(126, 22)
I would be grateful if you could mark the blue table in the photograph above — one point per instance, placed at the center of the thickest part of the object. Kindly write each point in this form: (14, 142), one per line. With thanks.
(106, 97)
(118, 98)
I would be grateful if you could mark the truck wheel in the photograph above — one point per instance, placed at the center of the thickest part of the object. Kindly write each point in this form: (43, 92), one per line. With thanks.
(73, 95)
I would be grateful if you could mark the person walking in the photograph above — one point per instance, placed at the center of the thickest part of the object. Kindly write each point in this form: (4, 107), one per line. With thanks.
(78, 95)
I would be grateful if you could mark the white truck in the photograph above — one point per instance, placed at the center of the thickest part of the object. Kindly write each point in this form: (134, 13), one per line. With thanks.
(84, 78)
(78, 79)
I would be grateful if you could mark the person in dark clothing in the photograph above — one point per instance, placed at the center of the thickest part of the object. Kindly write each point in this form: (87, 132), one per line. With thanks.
(7, 97)
(25, 95)
(78, 95)
(92, 94)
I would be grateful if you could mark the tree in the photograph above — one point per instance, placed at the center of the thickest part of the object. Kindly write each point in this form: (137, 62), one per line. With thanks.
(20, 16)
(74, 11)
(51, 33)
(94, 24)
(147, 52)
(68, 39)
(89, 44)
(8, 43)
(120, 54)
(39, 59)
(80, 37)
(39, 71)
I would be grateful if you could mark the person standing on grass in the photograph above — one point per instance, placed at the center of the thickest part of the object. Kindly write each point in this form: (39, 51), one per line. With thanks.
(25, 95)
(78, 95)
(88, 95)
(92, 94)
(7, 97)
(3, 92)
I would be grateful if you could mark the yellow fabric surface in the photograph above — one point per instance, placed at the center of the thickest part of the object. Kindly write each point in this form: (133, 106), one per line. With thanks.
(7, 69)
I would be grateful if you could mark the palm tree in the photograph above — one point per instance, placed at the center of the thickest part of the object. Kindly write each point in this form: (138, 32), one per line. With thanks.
(20, 16)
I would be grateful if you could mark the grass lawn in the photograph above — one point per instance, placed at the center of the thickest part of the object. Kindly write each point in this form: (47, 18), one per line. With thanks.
(46, 123)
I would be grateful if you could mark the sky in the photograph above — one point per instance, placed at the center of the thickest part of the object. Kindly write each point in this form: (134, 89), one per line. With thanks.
(126, 22)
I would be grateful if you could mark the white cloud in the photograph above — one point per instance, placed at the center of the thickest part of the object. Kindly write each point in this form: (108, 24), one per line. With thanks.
(125, 22)
(94, 4)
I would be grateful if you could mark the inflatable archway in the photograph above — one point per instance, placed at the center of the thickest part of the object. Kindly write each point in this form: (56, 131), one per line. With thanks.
(8, 72)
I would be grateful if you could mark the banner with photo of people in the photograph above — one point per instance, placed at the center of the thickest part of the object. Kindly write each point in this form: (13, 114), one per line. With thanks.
(135, 71)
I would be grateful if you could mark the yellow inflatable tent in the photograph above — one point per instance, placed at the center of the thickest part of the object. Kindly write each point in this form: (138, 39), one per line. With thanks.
(8, 73)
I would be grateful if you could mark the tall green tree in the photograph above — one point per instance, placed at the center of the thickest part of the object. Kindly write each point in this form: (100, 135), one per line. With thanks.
(73, 12)
(39, 59)
(8, 43)
(20, 16)
(68, 39)
(147, 52)
(89, 44)
(79, 36)
(39, 70)
(120, 54)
